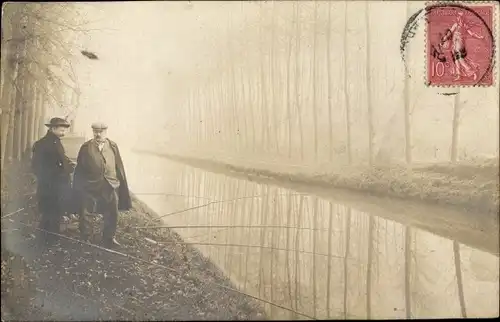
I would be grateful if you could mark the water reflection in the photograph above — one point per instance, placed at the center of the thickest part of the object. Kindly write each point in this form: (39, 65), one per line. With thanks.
(315, 258)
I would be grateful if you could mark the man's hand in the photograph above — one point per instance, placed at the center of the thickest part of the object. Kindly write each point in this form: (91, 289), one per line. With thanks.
(71, 162)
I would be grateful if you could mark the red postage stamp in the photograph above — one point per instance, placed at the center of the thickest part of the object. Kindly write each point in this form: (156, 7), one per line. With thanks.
(460, 44)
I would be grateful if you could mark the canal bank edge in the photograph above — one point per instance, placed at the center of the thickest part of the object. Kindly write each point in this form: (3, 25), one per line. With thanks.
(463, 186)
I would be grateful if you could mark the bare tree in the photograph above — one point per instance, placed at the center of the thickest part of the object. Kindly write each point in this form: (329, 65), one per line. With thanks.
(288, 95)
(11, 63)
(274, 108)
(346, 89)
(407, 112)
(297, 77)
(455, 128)
(37, 56)
(235, 119)
(314, 85)
(263, 88)
(368, 86)
(329, 79)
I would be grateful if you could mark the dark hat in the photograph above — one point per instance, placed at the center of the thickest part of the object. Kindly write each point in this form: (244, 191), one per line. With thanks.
(57, 121)
(99, 126)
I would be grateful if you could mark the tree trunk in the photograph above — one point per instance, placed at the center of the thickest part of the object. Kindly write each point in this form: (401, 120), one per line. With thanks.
(222, 116)
(251, 109)
(214, 115)
(17, 135)
(195, 118)
(43, 116)
(9, 152)
(193, 128)
(272, 64)
(231, 87)
(455, 128)
(204, 112)
(237, 134)
(6, 116)
(315, 105)
(187, 116)
(297, 79)
(263, 88)
(368, 87)
(27, 114)
(9, 92)
(38, 116)
(25, 130)
(288, 96)
(6, 88)
(346, 92)
(200, 106)
(75, 103)
(18, 124)
(32, 118)
(329, 80)
(407, 115)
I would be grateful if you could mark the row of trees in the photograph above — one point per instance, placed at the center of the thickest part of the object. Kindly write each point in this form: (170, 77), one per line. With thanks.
(274, 89)
(37, 71)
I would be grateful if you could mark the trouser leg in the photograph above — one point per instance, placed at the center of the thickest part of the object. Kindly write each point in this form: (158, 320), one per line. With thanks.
(54, 221)
(42, 236)
(110, 217)
(44, 220)
(50, 210)
(44, 203)
(84, 222)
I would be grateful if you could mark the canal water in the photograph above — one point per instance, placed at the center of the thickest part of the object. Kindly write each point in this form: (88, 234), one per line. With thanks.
(313, 257)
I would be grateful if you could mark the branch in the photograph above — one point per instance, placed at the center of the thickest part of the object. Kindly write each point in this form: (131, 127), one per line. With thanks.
(64, 24)
(44, 89)
(46, 69)
(18, 91)
(35, 35)
(72, 74)
(50, 52)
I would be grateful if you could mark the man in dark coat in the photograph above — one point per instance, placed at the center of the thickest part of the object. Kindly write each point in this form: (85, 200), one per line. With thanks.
(52, 169)
(100, 183)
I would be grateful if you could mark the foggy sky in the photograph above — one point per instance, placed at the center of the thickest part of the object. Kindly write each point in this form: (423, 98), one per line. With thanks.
(152, 53)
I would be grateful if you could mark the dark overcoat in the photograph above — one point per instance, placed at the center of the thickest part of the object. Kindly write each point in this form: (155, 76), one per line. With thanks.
(52, 169)
(89, 173)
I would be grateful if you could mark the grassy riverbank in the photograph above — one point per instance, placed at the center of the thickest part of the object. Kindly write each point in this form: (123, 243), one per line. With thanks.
(471, 186)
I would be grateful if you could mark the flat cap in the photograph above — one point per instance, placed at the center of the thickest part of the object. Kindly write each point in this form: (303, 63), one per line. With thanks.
(99, 126)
